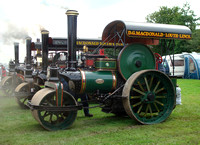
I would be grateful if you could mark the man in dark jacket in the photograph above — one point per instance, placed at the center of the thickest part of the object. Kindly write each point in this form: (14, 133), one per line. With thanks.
(84, 97)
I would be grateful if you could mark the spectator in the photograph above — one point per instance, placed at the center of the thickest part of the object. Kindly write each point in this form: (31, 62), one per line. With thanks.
(84, 97)
(3, 72)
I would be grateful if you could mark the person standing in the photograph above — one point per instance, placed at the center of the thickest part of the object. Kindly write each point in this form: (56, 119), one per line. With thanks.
(3, 72)
(84, 97)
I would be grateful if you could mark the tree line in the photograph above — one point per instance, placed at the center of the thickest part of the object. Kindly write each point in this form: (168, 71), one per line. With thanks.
(178, 16)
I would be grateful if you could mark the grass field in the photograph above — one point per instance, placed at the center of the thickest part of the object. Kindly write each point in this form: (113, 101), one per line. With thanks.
(17, 126)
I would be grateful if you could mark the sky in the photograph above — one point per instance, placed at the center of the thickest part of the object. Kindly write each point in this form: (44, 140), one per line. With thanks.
(22, 18)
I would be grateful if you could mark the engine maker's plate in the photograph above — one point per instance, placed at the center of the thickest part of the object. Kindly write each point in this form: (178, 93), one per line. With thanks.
(133, 58)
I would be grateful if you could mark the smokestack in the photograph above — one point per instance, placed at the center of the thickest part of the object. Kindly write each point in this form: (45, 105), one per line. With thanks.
(45, 40)
(16, 47)
(71, 41)
(28, 50)
(28, 70)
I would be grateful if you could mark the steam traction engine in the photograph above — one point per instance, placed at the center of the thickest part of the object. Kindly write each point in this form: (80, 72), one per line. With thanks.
(15, 75)
(127, 84)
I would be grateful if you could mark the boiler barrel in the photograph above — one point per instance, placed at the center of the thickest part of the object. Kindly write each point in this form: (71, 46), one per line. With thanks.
(102, 81)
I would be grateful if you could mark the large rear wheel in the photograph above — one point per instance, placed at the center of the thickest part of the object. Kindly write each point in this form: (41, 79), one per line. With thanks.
(149, 96)
(53, 120)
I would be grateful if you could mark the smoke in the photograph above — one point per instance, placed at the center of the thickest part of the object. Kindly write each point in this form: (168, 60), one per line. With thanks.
(14, 33)
(41, 28)
(65, 8)
(19, 33)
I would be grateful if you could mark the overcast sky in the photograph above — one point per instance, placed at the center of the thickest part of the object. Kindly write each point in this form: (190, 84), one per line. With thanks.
(22, 18)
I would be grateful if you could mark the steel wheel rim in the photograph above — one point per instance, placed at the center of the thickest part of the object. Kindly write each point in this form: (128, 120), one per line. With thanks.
(151, 97)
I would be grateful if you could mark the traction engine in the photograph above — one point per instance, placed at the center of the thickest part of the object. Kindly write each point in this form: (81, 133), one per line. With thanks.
(126, 84)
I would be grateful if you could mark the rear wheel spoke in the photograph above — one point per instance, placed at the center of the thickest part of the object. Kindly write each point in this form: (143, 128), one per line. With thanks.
(146, 111)
(158, 91)
(135, 97)
(150, 110)
(158, 102)
(151, 81)
(140, 86)
(147, 84)
(137, 104)
(140, 109)
(156, 86)
(140, 92)
(156, 107)
(160, 97)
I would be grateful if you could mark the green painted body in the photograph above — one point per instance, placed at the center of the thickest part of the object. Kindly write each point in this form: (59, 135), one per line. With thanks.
(134, 58)
(59, 95)
(99, 80)
(106, 64)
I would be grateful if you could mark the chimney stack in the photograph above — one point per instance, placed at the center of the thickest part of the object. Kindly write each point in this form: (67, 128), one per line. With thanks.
(45, 40)
(28, 70)
(16, 47)
(72, 37)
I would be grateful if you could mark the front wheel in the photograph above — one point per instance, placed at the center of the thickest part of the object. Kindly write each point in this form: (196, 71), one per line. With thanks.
(6, 85)
(149, 96)
(53, 120)
(23, 93)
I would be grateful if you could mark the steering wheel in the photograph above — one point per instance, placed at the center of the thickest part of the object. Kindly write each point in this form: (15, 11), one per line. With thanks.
(158, 58)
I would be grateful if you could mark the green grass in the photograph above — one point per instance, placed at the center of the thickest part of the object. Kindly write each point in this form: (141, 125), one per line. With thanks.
(182, 127)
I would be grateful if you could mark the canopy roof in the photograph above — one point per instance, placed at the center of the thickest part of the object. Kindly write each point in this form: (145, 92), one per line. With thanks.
(131, 31)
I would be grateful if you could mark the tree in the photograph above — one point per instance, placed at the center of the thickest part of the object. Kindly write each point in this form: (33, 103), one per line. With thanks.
(178, 16)
(194, 44)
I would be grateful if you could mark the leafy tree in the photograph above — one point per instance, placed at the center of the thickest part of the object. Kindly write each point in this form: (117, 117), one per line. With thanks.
(194, 44)
(178, 16)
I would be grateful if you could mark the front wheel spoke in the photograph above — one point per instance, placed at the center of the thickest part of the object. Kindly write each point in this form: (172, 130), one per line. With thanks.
(146, 82)
(46, 114)
(140, 86)
(140, 92)
(158, 102)
(156, 86)
(62, 116)
(161, 89)
(51, 116)
(49, 103)
(57, 118)
(24, 100)
(137, 104)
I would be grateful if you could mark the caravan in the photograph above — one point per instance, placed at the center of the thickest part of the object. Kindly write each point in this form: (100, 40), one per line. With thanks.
(192, 66)
(186, 65)
(179, 64)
